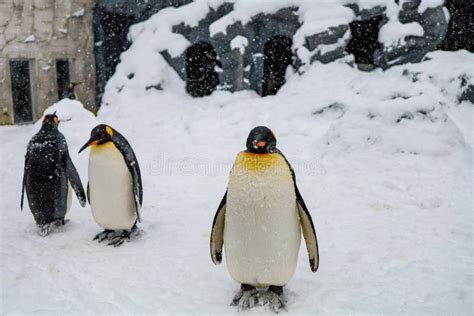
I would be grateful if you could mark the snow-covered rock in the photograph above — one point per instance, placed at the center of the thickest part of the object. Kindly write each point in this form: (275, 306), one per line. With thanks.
(319, 31)
(239, 42)
(395, 33)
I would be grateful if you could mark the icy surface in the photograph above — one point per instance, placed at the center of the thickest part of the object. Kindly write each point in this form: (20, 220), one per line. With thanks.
(382, 159)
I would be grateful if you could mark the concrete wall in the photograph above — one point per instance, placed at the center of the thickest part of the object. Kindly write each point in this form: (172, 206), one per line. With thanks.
(60, 32)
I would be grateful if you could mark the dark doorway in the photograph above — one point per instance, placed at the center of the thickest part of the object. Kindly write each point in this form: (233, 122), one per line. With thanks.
(21, 91)
(201, 76)
(62, 75)
(110, 31)
(461, 26)
(364, 41)
(277, 56)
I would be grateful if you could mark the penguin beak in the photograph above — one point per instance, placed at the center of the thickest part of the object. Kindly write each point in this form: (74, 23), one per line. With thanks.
(261, 144)
(89, 143)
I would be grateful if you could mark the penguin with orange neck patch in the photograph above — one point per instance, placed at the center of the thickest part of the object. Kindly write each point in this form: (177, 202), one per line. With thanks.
(259, 223)
(115, 190)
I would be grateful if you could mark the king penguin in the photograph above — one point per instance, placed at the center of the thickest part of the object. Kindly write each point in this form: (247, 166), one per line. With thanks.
(115, 190)
(259, 223)
(49, 176)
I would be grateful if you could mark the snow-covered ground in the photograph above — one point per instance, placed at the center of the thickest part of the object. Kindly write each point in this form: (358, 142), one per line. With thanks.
(383, 160)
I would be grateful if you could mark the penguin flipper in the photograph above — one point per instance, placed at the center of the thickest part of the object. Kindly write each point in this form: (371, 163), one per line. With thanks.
(75, 181)
(88, 193)
(132, 164)
(137, 190)
(23, 187)
(217, 233)
(309, 232)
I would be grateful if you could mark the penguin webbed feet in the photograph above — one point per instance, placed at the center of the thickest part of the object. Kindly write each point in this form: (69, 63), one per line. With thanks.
(100, 237)
(246, 298)
(119, 238)
(275, 299)
(116, 237)
(45, 229)
(249, 297)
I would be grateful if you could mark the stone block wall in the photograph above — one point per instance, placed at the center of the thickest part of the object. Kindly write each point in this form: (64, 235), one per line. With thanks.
(43, 31)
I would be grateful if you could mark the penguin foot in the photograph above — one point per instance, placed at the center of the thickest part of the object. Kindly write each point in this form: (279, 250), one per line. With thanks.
(246, 298)
(61, 222)
(275, 299)
(45, 229)
(106, 234)
(118, 238)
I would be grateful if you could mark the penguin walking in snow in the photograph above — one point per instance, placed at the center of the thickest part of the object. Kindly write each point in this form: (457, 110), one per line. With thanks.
(259, 223)
(115, 190)
(49, 177)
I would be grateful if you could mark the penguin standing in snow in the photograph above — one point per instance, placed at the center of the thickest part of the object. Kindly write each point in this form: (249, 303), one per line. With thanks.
(49, 176)
(115, 190)
(259, 223)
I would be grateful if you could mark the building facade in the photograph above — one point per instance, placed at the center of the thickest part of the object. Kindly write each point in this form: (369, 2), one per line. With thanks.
(46, 48)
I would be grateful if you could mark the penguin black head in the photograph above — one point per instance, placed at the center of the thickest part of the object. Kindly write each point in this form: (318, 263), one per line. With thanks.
(50, 121)
(100, 134)
(261, 140)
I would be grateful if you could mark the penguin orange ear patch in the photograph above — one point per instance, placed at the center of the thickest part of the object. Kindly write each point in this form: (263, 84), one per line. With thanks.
(109, 130)
(56, 120)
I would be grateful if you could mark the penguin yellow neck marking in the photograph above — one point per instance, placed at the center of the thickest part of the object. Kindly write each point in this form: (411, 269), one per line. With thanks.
(101, 147)
(258, 162)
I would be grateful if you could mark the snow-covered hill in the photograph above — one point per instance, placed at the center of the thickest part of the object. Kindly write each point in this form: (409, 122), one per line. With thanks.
(383, 160)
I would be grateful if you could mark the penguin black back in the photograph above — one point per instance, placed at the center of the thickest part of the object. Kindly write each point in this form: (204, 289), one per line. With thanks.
(48, 168)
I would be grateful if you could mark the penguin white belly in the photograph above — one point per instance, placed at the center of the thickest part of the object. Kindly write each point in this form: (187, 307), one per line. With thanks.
(262, 230)
(69, 197)
(111, 188)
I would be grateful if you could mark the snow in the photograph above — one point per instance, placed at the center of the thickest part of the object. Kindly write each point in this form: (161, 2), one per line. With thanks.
(239, 42)
(244, 10)
(382, 159)
(330, 47)
(160, 26)
(79, 13)
(30, 38)
(316, 19)
(315, 16)
(425, 4)
(396, 32)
